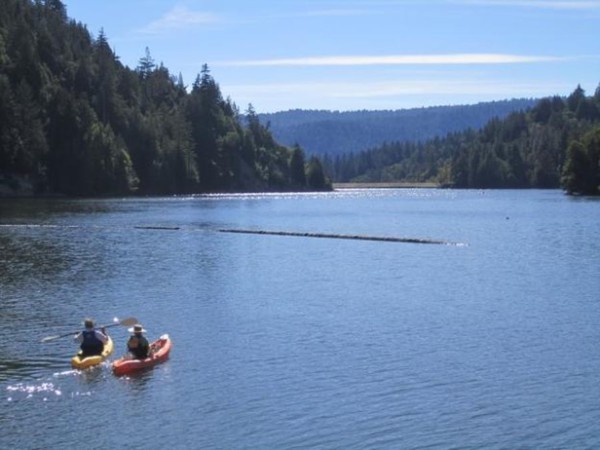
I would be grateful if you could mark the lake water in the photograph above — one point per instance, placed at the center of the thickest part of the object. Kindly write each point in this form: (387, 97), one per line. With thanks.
(285, 342)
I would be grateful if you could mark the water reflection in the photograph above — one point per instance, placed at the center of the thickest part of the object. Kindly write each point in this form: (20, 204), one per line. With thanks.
(28, 255)
(137, 382)
(38, 210)
(28, 368)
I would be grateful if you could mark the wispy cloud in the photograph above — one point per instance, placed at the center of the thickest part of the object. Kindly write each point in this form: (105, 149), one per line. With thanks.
(390, 94)
(179, 18)
(450, 59)
(544, 4)
(394, 88)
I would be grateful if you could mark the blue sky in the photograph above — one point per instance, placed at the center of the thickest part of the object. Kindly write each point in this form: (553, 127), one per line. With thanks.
(360, 54)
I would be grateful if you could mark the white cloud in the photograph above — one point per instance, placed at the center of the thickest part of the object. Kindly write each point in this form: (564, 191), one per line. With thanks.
(361, 89)
(385, 94)
(450, 59)
(178, 18)
(390, 94)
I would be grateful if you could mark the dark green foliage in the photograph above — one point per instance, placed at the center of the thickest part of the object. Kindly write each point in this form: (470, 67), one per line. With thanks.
(543, 147)
(297, 170)
(315, 175)
(21, 128)
(75, 121)
(581, 173)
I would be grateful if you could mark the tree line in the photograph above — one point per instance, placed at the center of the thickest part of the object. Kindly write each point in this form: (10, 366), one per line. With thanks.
(74, 120)
(554, 144)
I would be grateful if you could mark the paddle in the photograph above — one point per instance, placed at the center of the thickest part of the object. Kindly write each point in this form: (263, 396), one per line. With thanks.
(125, 322)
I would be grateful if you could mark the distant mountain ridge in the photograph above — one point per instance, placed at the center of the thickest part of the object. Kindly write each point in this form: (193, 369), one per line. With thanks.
(321, 132)
(554, 144)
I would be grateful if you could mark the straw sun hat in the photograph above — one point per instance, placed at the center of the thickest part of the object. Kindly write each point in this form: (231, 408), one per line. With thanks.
(137, 329)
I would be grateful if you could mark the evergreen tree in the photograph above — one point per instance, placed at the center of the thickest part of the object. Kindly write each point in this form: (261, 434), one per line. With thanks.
(581, 174)
(297, 170)
(315, 176)
(146, 65)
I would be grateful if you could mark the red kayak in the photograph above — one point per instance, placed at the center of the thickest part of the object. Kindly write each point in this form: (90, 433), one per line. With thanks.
(159, 352)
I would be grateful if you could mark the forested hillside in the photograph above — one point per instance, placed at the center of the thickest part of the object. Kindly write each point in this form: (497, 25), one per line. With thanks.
(554, 144)
(334, 133)
(74, 120)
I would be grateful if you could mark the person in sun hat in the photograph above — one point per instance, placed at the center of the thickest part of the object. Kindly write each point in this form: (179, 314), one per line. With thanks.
(138, 345)
(91, 340)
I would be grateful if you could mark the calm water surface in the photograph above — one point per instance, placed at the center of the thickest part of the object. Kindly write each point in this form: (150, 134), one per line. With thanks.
(298, 342)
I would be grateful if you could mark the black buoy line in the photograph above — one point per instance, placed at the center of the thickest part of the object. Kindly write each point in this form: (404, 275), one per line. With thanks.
(155, 227)
(340, 236)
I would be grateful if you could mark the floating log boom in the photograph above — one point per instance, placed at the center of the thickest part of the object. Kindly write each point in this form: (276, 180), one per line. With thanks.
(339, 236)
(155, 227)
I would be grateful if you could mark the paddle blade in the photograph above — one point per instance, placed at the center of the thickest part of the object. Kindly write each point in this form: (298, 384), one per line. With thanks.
(53, 338)
(125, 322)
(130, 321)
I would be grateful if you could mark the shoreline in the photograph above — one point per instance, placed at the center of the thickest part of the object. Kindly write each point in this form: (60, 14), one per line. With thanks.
(387, 185)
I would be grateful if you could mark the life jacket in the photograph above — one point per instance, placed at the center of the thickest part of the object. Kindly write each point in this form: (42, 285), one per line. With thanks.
(139, 346)
(91, 345)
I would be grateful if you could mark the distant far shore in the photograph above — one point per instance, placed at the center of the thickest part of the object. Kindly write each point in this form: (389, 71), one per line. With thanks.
(385, 185)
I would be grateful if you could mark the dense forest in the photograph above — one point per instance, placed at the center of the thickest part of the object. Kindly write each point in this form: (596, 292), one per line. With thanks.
(75, 121)
(337, 132)
(554, 144)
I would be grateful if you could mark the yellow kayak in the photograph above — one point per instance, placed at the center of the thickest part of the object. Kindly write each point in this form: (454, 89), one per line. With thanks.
(78, 363)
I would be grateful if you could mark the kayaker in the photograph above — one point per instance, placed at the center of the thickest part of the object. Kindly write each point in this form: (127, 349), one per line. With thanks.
(137, 344)
(92, 340)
